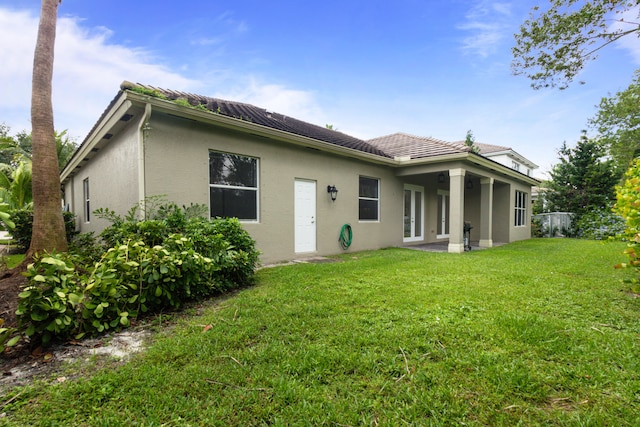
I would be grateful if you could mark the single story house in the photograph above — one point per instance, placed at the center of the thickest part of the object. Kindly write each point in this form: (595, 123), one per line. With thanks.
(293, 185)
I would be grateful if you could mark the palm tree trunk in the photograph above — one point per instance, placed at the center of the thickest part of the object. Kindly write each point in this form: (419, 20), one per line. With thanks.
(48, 224)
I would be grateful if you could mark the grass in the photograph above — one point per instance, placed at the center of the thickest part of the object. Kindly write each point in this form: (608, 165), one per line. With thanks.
(540, 332)
(13, 260)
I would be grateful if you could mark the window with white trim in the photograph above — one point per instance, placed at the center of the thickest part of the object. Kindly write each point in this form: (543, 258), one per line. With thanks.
(369, 199)
(520, 213)
(233, 186)
(86, 200)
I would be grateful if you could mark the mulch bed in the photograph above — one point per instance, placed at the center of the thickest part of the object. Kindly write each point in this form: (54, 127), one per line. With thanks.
(11, 284)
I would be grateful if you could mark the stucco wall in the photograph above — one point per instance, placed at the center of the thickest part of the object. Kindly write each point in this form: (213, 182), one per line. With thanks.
(177, 161)
(502, 212)
(521, 232)
(113, 180)
(176, 165)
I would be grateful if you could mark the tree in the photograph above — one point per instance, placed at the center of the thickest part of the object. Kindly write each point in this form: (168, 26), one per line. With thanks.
(48, 224)
(618, 124)
(554, 46)
(18, 149)
(583, 181)
(65, 147)
(470, 141)
(15, 189)
(14, 149)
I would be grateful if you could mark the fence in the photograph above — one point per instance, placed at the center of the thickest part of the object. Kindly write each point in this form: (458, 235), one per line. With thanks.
(554, 224)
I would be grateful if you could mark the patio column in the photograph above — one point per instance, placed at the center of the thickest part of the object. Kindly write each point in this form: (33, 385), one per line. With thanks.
(486, 212)
(456, 210)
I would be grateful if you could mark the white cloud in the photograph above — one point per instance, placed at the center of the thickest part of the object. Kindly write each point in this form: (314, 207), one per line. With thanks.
(488, 24)
(278, 98)
(88, 71)
(630, 43)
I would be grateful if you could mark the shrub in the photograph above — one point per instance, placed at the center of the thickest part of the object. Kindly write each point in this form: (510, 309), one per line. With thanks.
(148, 269)
(23, 220)
(228, 245)
(628, 207)
(47, 306)
(599, 225)
(224, 241)
(86, 247)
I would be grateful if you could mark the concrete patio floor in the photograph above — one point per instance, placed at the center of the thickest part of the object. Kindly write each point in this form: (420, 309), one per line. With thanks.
(443, 246)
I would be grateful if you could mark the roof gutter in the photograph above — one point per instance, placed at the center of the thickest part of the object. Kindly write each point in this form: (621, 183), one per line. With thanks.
(142, 131)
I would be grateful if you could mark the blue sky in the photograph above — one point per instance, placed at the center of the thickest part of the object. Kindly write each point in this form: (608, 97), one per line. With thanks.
(369, 68)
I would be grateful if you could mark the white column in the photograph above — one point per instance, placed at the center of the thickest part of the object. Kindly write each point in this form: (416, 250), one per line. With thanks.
(456, 210)
(486, 212)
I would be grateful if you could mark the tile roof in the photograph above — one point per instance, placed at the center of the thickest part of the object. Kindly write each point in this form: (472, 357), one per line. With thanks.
(490, 148)
(417, 147)
(267, 118)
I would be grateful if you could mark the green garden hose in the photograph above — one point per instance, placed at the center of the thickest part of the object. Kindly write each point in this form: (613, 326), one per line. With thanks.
(346, 236)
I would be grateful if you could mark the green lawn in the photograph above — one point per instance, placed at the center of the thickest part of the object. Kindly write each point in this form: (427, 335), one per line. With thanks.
(540, 332)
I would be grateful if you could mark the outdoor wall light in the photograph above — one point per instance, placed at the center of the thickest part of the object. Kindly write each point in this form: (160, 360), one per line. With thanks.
(441, 178)
(469, 184)
(333, 191)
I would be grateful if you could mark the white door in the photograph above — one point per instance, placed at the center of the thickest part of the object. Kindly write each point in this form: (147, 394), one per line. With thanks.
(413, 213)
(305, 216)
(443, 214)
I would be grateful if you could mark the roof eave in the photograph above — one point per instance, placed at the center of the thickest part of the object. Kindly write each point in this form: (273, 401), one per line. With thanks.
(485, 162)
(120, 107)
(514, 155)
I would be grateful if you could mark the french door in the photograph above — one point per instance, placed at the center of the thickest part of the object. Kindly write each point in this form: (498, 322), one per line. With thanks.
(443, 214)
(413, 213)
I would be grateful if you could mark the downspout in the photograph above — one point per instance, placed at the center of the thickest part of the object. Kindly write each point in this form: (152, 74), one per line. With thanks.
(143, 134)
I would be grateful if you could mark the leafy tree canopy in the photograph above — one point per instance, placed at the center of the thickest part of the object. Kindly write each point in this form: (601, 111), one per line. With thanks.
(583, 180)
(553, 46)
(618, 124)
(17, 149)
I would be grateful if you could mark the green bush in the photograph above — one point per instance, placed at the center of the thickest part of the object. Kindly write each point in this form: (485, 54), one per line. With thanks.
(86, 247)
(224, 241)
(47, 306)
(601, 224)
(628, 207)
(228, 245)
(64, 300)
(152, 265)
(23, 220)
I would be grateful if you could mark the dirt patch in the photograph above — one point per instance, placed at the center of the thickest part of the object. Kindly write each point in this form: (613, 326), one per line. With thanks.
(53, 363)
(22, 364)
(11, 284)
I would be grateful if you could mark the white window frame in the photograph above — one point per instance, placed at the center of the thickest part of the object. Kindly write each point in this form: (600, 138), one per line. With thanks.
(86, 200)
(376, 199)
(256, 189)
(520, 209)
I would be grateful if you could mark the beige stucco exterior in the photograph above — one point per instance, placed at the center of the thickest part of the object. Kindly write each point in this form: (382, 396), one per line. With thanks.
(163, 149)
